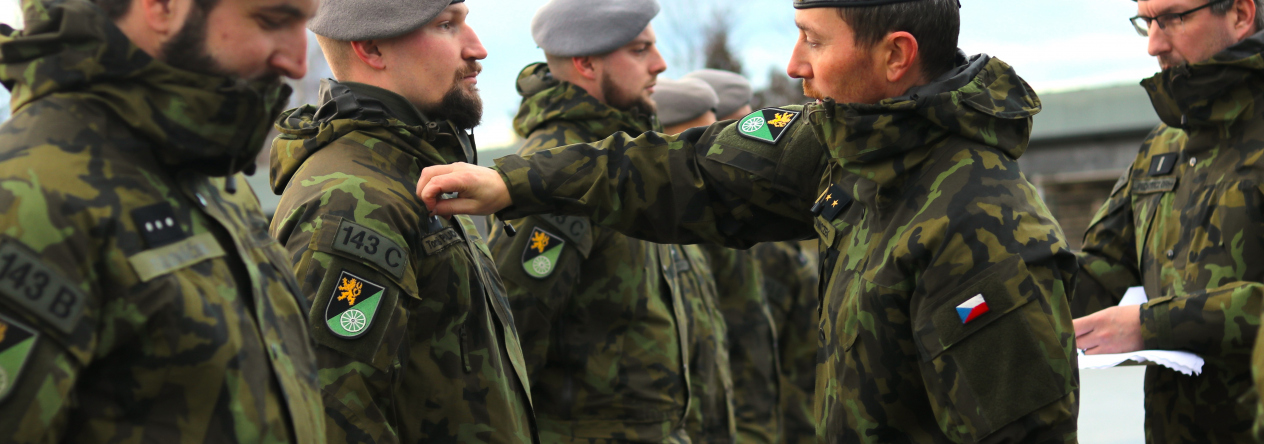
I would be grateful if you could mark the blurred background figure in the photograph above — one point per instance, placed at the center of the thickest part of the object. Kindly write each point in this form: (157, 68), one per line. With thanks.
(623, 338)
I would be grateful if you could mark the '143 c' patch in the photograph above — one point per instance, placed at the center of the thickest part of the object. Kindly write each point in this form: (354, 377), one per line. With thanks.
(16, 344)
(352, 306)
(540, 257)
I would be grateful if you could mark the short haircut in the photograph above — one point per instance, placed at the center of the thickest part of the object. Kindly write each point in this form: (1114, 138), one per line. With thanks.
(116, 9)
(1224, 7)
(934, 23)
(337, 53)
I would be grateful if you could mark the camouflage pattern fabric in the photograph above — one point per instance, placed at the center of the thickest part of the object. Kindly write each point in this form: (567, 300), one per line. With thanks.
(1185, 222)
(141, 298)
(431, 353)
(939, 214)
(623, 338)
(753, 354)
(790, 280)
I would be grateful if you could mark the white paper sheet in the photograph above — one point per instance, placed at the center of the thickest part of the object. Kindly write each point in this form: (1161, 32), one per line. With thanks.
(1184, 362)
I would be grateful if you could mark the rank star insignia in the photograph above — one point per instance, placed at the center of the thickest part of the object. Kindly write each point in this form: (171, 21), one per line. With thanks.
(352, 306)
(17, 342)
(539, 259)
(767, 125)
(972, 309)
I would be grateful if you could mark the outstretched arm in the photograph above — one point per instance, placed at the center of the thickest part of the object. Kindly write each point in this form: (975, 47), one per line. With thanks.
(705, 185)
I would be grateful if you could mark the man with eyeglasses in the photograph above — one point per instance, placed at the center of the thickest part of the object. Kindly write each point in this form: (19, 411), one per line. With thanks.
(1185, 222)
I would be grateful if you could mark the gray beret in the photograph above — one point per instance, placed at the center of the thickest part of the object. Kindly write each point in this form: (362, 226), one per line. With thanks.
(733, 89)
(680, 101)
(578, 28)
(359, 20)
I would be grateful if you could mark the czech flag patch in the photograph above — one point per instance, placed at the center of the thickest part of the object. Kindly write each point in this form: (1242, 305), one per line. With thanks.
(972, 309)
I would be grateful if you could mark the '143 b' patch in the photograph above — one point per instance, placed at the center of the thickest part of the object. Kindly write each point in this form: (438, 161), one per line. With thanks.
(352, 306)
(540, 257)
(16, 344)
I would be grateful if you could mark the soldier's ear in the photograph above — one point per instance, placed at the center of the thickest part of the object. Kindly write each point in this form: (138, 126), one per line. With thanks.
(585, 67)
(369, 53)
(897, 56)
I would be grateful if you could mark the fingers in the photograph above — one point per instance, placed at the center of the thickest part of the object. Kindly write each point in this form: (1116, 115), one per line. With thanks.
(1085, 325)
(449, 207)
(481, 189)
(430, 194)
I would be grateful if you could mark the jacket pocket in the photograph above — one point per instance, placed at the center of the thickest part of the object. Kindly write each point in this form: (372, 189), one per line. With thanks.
(987, 367)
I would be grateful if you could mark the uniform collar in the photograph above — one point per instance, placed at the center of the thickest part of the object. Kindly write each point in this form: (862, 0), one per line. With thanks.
(983, 100)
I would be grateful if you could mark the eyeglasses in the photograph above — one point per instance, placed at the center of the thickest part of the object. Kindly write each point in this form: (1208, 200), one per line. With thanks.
(1142, 23)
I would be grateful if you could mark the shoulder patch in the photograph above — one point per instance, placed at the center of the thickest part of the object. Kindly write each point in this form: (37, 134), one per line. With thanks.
(767, 125)
(26, 281)
(539, 258)
(17, 341)
(574, 228)
(353, 305)
(364, 243)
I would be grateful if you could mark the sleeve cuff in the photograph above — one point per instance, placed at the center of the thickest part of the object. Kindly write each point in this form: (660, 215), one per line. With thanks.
(519, 180)
(1156, 324)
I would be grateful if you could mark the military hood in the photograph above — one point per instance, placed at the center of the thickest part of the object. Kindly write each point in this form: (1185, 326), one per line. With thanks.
(211, 124)
(983, 100)
(309, 128)
(1210, 93)
(546, 100)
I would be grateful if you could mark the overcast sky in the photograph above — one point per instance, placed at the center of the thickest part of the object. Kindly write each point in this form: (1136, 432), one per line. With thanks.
(1061, 45)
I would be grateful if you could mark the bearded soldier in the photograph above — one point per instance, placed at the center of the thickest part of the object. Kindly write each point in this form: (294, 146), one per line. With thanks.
(414, 337)
(623, 337)
(944, 307)
(141, 298)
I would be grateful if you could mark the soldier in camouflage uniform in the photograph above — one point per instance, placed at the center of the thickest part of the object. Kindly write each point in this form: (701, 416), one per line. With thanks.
(415, 340)
(623, 338)
(688, 103)
(1185, 223)
(752, 343)
(789, 277)
(141, 298)
(944, 310)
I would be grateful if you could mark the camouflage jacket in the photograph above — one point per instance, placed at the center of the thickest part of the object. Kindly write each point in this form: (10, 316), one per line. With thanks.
(790, 280)
(623, 337)
(933, 219)
(141, 298)
(752, 341)
(415, 341)
(1185, 222)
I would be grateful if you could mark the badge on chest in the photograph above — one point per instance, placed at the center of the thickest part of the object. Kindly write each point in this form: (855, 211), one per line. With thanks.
(1163, 164)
